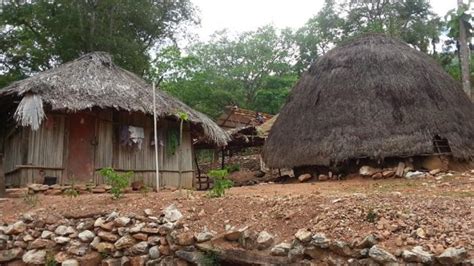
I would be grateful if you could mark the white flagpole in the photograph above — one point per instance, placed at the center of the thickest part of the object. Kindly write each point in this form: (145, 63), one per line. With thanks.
(156, 141)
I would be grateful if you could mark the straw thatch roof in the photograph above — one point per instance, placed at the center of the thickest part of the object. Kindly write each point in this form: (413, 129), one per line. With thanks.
(374, 97)
(93, 80)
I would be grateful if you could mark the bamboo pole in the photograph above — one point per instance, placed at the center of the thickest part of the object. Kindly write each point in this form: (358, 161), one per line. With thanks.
(155, 129)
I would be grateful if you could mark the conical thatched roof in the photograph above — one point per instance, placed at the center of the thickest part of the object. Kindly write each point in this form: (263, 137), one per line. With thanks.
(93, 80)
(374, 97)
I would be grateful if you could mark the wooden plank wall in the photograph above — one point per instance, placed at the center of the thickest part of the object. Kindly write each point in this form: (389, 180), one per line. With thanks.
(142, 162)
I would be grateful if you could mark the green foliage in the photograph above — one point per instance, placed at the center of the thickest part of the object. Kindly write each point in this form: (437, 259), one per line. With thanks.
(371, 216)
(30, 199)
(221, 183)
(50, 260)
(462, 14)
(36, 35)
(118, 181)
(232, 168)
(71, 192)
(210, 258)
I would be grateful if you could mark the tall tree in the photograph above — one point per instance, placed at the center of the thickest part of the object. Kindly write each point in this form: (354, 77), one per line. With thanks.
(464, 51)
(35, 35)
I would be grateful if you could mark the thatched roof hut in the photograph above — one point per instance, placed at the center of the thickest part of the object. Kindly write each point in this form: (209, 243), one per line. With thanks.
(89, 114)
(374, 97)
(93, 80)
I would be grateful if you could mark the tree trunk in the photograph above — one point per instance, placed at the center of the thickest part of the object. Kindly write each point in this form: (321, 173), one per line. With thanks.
(464, 56)
(2, 178)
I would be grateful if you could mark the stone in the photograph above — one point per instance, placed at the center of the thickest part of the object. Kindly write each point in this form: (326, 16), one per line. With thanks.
(414, 175)
(435, 171)
(111, 262)
(63, 230)
(320, 240)
(172, 214)
(388, 173)
(95, 242)
(232, 235)
(194, 257)
(281, 249)
(42, 243)
(139, 248)
(367, 170)
(138, 260)
(38, 187)
(16, 228)
(86, 225)
(185, 239)
(86, 236)
(105, 247)
(296, 253)
(20, 244)
(10, 254)
(140, 236)
(70, 262)
(61, 256)
(420, 233)
(154, 252)
(98, 190)
(28, 238)
(107, 226)
(400, 168)
(264, 240)
(35, 257)
(377, 175)
(77, 250)
(418, 255)
(367, 242)
(122, 221)
(61, 240)
(99, 222)
(148, 212)
(46, 234)
(452, 256)
(304, 177)
(91, 258)
(323, 177)
(164, 249)
(303, 235)
(380, 255)
(204, 236)
(151, 230)
(107, 236)
(341, 248)
(248, 239)
(125, 242)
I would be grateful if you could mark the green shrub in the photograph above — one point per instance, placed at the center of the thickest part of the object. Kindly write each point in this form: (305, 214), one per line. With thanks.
(233, 168)
(71, 192)
(221, 183)
(30, 199)
(117, 181)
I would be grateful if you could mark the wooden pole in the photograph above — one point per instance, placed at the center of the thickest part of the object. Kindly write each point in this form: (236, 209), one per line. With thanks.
(155, 127)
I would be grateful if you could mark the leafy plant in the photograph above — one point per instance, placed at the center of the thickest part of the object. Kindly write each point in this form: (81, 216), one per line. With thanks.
(71, 192)
(50, 260)
(221, 183)
(118, 181)
(30, 199)
(233, 168)
(371, 216)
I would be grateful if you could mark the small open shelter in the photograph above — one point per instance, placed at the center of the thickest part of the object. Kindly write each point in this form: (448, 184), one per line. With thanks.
(64, 124)
(374, 98)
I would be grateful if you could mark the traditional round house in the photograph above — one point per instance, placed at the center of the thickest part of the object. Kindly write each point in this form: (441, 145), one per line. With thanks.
(67, 123)
(373, 98)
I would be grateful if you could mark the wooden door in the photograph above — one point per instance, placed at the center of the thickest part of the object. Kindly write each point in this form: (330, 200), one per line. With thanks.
(80, 166)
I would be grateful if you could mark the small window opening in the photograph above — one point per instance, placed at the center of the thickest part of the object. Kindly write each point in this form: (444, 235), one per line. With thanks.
(441, 145)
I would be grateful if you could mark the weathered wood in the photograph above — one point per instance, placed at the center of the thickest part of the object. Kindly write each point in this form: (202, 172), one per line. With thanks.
(2, 178)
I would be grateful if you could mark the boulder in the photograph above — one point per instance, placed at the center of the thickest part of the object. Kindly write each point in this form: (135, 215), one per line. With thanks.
(10, 254)
(304, 177)
(107, 236)
(323, 177)
(77, 250)
(281, 249)
(172, 214)
(417, 255)
(185, 239)
(70, 262)
(320, 240)
(380, 255)
(86, 236)
(204, 236)
(105, 247)
(303, 235)
(368, 170)
(367, 242)
(16, 228)
(452, 256)
(138, 260)
(139, 248)
(125, 242)
(63, 230)
(122, 221)
(341, 248)
(148, 212)
(264, 240)
(46, 234)
(42, 243)
(38, 187)
(154, 252)
(248, 239)
(388, 173)
(61, 240)
(35, 257)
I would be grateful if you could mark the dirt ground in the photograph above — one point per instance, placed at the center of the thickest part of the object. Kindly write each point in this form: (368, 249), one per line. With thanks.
(436, 213)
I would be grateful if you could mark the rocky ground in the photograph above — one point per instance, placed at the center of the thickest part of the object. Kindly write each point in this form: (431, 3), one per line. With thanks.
(434, 213)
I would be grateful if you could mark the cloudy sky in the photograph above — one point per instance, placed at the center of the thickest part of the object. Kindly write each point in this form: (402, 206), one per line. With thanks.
(242, 15)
